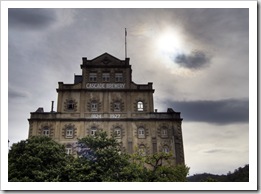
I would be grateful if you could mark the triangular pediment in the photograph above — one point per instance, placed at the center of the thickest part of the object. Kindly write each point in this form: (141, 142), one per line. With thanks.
(106, 59)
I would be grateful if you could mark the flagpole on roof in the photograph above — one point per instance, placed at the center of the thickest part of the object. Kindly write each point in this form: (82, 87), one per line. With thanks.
(125, 43)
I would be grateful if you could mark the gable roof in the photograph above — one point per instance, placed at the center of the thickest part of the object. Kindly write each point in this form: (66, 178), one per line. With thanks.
(106, 59)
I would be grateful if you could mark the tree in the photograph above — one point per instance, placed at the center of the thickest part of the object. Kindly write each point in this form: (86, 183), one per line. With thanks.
(160, 168)
(101, 159)
(38, 159)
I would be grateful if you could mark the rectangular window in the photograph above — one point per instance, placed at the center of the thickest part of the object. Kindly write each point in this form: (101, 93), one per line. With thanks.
(130, 148)
(46, 132)
(141, 133)
(140, 106)
(164, 132)
(154, 147)
(106, 77)
(69, 133)
(93, 131)
(94, 107)
(142, 151)
(68, 151)
(165, 150)
(93, 77)
(70, 105)
(118, 77)
(117, 106)
(117, 132)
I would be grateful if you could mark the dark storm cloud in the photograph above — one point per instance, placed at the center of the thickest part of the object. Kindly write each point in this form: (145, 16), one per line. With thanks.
(217, 112)
(216, 26)
(195, 60)
(30, 18)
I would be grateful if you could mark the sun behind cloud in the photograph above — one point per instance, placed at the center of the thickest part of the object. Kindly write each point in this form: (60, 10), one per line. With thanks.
(170, 41)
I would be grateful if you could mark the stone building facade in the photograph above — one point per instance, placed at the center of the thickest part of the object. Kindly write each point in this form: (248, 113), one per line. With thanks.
(105, 98)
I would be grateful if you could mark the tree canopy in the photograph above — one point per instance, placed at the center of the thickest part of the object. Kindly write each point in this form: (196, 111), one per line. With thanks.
(239, 175)
(37, 159)
(99, 159)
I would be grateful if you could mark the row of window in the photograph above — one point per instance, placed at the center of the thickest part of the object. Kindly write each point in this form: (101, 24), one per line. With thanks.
(141, 151)
(94, 106)
(69, 132)
(106, 77)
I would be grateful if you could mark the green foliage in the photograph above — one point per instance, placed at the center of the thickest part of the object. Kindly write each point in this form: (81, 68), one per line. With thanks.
(239, 175)
(109, 163)
(159, 168)
(42, 159)
(112, 165)
(209, 179)
(37, 159)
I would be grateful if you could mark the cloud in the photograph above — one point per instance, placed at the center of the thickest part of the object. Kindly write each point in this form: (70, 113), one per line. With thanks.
(30, 18)
(217, 112)
(195, 60)
(12, 93)
(214, 151)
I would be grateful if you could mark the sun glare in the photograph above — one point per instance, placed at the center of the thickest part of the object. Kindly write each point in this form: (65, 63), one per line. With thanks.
(169, 42)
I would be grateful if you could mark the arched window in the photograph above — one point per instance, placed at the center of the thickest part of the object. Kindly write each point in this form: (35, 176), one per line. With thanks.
(46, 131)
(140, 106)
(141, 132)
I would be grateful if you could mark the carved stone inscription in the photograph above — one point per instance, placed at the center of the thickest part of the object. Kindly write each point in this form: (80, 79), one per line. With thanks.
(99, 116)
(105, 85)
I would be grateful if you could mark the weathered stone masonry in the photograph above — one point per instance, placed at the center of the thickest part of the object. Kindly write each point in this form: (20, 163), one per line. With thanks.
(105, 98)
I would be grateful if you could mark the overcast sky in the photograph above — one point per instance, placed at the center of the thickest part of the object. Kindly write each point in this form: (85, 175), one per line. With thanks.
(197, 60)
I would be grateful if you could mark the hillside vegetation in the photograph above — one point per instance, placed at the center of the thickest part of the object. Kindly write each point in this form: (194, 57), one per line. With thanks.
(239, 175)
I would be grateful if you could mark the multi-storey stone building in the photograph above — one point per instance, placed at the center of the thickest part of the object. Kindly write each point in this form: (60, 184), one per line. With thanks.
(105, 98)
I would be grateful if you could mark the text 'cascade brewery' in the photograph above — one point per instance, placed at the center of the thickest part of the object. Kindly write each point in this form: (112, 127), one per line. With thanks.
(104, 98)
(103, 86)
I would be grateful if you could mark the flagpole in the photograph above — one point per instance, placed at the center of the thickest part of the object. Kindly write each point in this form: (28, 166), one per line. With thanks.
(125, 43)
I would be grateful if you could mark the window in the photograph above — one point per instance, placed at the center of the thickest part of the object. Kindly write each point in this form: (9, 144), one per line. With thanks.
(164, 132)
(165, 149)
(140, 106)
(142, 150)
(117, 132)
(106, 77)
(69, 133)
(117, 106)
(68, 151)
(70, 105)
(118, 77)
(93, 77)
(93, 131)
(94, 106)
(46, 131)
(130, 147)
(154, 147)
(141, 133)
